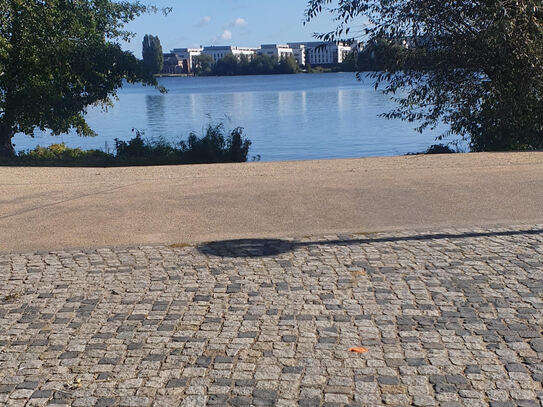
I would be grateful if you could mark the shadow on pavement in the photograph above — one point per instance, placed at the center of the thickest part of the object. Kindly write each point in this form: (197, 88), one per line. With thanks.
(273, 247)
(247, 247)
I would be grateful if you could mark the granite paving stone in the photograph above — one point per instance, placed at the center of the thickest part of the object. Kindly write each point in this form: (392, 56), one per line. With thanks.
(450, 317)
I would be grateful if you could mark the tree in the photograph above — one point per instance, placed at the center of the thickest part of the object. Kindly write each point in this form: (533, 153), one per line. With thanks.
(153, 58)
(287, 65)
(228, 65)
(59, 57)
(476, 65)
(202, 64)
(262, 65)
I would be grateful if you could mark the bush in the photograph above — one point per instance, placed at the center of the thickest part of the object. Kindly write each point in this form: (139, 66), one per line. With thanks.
(59, 153)
(437, 149)
(215, 146)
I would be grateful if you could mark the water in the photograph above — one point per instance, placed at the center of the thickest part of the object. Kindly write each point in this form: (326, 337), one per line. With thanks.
(287, 117)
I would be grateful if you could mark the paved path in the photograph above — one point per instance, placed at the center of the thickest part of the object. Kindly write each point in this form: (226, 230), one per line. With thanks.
(53, 208)
(453, 318)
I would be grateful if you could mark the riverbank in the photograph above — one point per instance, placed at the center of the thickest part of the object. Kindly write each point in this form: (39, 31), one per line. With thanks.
(56, 208)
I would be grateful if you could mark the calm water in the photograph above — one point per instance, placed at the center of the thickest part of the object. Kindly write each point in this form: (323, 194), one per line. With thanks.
(287, 117)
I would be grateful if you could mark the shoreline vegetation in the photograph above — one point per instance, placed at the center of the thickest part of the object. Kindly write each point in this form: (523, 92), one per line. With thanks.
(216, 146)
(231, 65)
(371, 59)
(315, 70)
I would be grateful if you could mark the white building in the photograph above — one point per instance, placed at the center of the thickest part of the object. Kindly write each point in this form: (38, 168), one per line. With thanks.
(277, 51)
(324, 53)
(219, 52)
(187, 54)
(299, 53)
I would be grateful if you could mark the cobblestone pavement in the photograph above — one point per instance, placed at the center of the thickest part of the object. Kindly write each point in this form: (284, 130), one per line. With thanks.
(450, 318)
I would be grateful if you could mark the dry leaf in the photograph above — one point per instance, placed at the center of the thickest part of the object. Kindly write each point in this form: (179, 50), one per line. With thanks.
(357, 349)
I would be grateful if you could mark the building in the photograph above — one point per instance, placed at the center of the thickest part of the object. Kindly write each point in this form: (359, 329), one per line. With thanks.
(314, 53)
(173, 64)
(299, 53)
(187, 54)
(275, 50)
(219, 52)
(323, 53)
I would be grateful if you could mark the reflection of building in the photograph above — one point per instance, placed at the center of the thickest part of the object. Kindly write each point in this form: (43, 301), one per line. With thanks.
(275, 50)
(173, 64)
(219, 52)
(188, 54)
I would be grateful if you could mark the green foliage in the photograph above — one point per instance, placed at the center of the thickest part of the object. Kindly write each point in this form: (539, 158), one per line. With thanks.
(231, 65)
(474, 65)
(153, 58)
(59, 153)
(215, 146)
(202, 64)
(380, 54)
(287, 65)
(437, 149)
(57, 58)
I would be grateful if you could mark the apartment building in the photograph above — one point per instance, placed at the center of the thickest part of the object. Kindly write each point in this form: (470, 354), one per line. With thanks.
(324, 53)
(219, 52)
(174, 64)
(275, 50)
(187, 54)
(314, 53)
(299, 53)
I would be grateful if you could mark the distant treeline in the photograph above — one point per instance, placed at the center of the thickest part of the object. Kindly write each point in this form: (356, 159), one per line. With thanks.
(386, 55)
(379, 55)
(231, 65)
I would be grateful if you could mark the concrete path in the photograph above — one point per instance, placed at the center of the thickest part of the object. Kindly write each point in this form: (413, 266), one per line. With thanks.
(54, 208)
(452, 318)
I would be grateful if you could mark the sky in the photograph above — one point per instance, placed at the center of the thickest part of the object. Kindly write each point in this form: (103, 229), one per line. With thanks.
(226, 22)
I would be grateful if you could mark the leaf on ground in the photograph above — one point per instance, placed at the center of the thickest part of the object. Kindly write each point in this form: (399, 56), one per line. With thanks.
(357, 349)
(75, 384)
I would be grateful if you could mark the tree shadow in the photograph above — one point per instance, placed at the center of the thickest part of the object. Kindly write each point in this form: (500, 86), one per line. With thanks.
(247, 247)
(273, 247)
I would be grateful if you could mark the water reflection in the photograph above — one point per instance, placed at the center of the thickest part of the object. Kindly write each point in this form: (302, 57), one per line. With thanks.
(285, 116)
(156, 116)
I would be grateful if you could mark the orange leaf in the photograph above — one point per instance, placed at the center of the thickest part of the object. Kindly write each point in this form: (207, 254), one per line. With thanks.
(358, 350)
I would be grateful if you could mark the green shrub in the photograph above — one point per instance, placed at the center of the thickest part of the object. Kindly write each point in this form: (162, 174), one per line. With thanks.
(437, 149)
(56, 154)
(215, 146)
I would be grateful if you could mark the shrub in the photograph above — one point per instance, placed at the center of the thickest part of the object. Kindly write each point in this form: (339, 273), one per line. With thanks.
(60, 153)
(215, 146)
(437, 149)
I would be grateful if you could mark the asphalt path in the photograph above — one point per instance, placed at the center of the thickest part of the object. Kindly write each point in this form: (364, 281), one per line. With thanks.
(45, 209)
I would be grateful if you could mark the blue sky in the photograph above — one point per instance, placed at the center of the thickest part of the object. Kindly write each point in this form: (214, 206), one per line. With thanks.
(227, 22)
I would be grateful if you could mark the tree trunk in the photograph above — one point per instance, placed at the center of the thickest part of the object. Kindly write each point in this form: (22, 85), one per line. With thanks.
(6, 147)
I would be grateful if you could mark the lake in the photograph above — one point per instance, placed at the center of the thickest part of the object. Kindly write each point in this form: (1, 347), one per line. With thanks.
(287, 117)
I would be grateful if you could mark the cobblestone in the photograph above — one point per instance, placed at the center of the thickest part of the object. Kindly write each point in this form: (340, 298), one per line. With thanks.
(450, 318)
